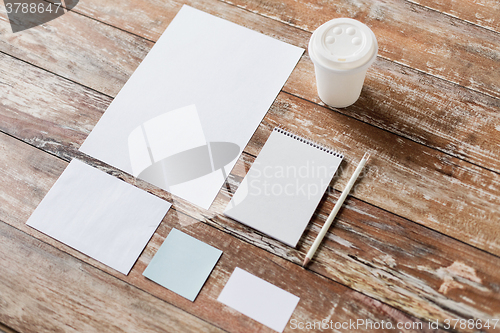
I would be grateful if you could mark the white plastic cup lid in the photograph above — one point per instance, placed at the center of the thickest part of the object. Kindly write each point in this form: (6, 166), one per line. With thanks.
(343, 44)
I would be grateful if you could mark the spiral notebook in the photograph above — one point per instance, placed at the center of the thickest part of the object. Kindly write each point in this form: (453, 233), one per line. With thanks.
(285, 184)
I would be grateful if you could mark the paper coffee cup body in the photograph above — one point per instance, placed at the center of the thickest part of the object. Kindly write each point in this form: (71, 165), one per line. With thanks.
(342, 50)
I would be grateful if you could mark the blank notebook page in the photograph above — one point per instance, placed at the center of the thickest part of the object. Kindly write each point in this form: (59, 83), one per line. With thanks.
(284, 186)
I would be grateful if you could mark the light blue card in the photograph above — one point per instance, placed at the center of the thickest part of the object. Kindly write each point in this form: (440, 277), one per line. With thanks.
(182, 264)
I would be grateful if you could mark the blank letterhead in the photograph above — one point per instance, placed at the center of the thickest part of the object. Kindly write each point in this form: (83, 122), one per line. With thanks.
(187, 112)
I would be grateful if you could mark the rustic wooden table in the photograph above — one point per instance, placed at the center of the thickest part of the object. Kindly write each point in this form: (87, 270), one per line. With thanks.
(418, 241)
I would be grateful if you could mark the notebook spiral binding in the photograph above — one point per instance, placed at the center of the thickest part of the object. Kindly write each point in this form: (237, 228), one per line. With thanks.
(308, 141)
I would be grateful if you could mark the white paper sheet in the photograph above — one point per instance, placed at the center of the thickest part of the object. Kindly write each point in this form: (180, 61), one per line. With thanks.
(258, 299)
(99, 215)
(190, 108)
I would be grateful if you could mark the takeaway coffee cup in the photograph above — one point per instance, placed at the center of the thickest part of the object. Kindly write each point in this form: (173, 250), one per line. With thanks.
(342, 50)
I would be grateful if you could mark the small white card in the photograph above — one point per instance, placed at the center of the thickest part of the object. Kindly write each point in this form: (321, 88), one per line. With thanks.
(99, 215)
(258, 299)
(190, 108)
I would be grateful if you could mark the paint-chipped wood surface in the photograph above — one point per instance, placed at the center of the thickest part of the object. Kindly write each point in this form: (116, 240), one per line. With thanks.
(418, 240)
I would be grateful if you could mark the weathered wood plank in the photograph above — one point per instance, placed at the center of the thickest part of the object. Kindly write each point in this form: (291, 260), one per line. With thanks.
(409, 34)
(485, 13)
(31, 172)
(355, 273)
(439, 191)
(404, 101)
(150, 20)
(425, 196)
(387, 256)
(286, 108)
(443, 46)
(33, 101)
(412, 104)
(43, 289)
(401, 100)
(5, 329)
(103, 98)
(78, 48)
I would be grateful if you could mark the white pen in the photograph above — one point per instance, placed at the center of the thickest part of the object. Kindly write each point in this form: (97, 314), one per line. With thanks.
(335, 210)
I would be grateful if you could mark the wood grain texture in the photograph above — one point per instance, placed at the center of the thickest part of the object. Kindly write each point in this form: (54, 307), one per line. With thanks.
(443, 46)
(320, 298)
(485, 13)
(30, 103)
(78, 48)
(62, 294)
(396, 98)
(5, 329)
(411, 104)
(421, 186)
(439, 191)
(388, 257)
(421, 281)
